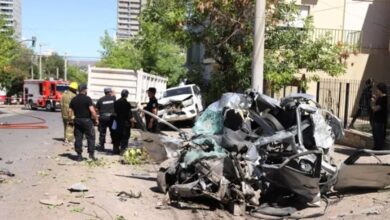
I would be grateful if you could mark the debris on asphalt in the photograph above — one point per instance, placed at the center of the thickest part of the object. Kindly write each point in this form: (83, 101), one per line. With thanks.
(134, 156)
(89, 196)
(78, 187)
(253, 153)
(9, 162)
(6, 173)
(123, 196)
(75, 203)
(53, 201)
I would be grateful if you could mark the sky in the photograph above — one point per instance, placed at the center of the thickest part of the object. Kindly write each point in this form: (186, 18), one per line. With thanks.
(73, 27)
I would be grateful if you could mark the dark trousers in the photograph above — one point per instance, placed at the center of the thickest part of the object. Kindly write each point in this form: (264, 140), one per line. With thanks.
(122, 135)
(104, 123)
(84, 126)
(379, 134)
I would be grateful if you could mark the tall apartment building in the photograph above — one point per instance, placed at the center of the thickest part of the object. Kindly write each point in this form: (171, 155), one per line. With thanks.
(12, 12)
(128, 23)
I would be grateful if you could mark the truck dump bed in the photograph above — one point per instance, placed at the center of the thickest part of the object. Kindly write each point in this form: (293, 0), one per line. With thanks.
(135, 81)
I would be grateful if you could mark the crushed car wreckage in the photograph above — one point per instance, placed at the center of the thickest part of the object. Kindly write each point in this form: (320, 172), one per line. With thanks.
(254, 152)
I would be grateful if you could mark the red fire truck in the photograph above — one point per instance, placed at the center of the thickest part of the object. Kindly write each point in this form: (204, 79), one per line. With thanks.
(43, 93)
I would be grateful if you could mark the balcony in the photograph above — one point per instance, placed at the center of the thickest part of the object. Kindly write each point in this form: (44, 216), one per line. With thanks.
(349, 38)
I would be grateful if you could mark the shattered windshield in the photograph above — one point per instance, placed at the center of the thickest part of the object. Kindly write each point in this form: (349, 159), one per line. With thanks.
(178, 91)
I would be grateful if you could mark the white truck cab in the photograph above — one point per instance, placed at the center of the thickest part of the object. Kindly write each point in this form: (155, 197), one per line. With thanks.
(180, 103)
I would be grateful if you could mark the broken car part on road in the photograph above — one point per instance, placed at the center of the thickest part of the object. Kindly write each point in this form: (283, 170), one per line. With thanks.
(251, 152)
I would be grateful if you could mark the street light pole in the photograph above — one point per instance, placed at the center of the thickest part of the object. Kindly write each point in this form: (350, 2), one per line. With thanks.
(258, 47)
(65, 68)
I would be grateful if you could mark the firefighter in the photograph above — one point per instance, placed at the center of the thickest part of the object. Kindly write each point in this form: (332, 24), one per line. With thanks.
(85, 116)
(123, 118)
(152, 107)
(105, 107)
(67, 96)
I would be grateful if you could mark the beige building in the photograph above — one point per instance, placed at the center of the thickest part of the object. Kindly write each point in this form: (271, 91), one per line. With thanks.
(362, 23)
(128, 23)
(363, 26)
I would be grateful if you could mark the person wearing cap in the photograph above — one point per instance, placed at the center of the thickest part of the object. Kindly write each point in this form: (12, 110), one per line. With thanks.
(152, 107)
(105, 108)
(81, 107)
(123, 117)
(67, 96)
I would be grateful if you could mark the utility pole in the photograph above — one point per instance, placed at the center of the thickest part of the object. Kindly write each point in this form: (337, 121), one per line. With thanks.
(32, 66)
(258, 47)
(58, 72)
(40, 61)
(65, 68)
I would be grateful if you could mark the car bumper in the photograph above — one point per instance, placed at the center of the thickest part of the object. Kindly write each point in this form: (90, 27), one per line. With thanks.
(184, 115)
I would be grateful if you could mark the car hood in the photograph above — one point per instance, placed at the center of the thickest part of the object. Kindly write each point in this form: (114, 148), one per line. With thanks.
(177, 98)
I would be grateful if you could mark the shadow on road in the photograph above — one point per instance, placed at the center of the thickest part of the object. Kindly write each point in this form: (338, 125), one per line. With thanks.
(155, 189)
(59, 139)
(69, 156)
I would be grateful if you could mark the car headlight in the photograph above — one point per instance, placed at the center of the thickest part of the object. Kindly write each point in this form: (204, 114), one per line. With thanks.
(188, 102)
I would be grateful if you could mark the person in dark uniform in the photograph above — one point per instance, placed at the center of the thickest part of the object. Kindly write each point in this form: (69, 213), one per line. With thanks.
(123, 118)
(85, 116)
(152, 107)
(105, 107)
(380, 112)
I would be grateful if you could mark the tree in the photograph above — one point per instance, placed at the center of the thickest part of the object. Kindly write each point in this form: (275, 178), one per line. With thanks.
(77, 75)
(8, 52)
(50, 65)
(225, 28)
(119, 54)
(153, 50)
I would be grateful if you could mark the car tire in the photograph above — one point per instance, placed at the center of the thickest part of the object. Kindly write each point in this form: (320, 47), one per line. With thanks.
(31, 104)
(48, 106)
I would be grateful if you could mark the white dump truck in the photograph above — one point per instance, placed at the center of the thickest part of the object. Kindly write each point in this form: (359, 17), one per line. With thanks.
(135, 81)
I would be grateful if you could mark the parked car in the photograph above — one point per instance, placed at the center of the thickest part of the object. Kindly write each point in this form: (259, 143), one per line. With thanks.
(180, 103)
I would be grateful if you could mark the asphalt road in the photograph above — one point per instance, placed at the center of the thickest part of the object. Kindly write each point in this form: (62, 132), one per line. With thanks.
(21, 144)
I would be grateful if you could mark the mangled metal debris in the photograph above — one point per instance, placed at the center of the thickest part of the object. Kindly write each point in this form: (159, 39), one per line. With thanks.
(252, 152)
(247, 146)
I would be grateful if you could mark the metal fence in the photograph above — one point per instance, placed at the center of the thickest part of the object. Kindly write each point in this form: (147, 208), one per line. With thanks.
(342, 98)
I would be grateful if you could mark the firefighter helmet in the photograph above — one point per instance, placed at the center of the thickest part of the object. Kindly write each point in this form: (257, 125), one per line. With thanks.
(74, 85)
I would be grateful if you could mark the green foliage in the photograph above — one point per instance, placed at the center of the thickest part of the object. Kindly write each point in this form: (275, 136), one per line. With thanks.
(154, 49)
(134, 156)
(75, 74)
(225, 28)
(159, 54)
(8, 45)
(119, 54)
(50, 65)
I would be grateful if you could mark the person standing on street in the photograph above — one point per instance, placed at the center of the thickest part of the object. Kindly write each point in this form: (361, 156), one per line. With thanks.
(123, 117)
(105, 107)
(85, 116)
(379, 108)
(152, 107)
(67, 96)
(364, 103)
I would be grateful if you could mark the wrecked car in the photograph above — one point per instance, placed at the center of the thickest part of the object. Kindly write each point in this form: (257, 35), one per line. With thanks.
(180, 103)
(250, 152)
(246, 146)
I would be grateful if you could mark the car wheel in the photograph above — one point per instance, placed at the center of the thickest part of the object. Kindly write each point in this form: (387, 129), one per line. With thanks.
(31, 104)
(48, 106)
